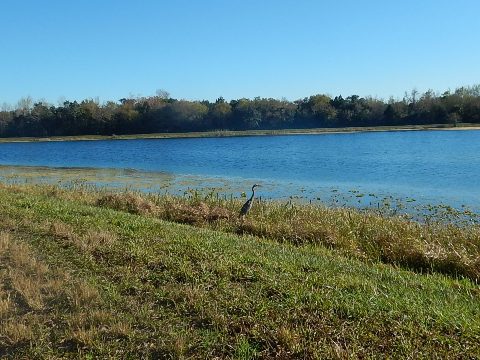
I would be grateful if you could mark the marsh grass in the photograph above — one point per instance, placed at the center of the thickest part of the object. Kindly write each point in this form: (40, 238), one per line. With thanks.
(111, 280)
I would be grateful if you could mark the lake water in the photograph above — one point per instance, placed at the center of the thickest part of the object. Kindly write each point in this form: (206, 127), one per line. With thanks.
(416, 166)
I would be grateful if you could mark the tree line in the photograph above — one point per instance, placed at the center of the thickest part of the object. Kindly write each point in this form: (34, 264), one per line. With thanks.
(161, 113)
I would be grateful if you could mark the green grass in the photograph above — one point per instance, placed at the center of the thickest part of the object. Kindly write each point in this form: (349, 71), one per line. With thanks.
(81, 279)
(368, 235)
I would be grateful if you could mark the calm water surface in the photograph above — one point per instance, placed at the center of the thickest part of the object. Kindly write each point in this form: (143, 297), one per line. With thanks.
(428, 166)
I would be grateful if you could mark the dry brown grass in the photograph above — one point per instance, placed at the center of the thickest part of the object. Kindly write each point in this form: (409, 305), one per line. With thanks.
(61, 230)
(14, 331)
(89, 242)
(194, 213)
(5, 303)
(197, 213)
(23, 274)
(128, 202)
(32, 295)
(95, 239)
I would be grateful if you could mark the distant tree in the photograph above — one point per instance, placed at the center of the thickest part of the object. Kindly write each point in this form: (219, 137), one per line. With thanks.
(44, 115)
(24, 105)
(161, 113)
(471, 110)
(245, 114)
(453, 119)
(376, 111)
(395, 112)
(220, 114)
(162, 94)
(6, 117)
(185, 115)
(315, 111)
(126, 117)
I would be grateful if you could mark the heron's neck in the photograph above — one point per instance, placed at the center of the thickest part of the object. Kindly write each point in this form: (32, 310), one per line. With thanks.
(253, 194)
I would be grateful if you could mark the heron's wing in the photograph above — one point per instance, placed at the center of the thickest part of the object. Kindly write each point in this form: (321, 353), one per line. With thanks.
(245, 206)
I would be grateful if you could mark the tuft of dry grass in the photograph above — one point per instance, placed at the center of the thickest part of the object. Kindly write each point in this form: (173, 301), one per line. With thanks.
(196, 213)
(22, 278)
(129, 202)
(199, 212)
(33, 296)
(61, 230)
(90, 241)
(95, 239)
(5, 304)
(15, 332)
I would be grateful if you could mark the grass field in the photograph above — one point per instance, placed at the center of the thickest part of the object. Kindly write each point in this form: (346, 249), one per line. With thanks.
(92, 274)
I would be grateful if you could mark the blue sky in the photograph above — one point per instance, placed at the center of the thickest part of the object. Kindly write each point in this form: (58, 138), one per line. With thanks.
(205, 49)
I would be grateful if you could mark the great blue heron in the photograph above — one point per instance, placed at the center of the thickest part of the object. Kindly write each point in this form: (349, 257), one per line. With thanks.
(248, 205)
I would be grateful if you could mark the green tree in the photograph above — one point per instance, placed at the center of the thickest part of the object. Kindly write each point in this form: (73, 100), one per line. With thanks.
(220, 114)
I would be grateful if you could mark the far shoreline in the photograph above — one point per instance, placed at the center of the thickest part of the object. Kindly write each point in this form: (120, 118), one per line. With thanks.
(241, 133)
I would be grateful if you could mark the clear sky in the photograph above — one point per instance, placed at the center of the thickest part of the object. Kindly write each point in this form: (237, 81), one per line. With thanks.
(203, 49)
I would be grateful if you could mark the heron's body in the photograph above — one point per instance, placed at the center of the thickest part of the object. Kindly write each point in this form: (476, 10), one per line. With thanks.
(248, 204)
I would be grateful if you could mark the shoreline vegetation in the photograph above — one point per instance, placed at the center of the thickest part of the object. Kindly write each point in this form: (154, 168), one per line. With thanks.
(371, 235)
(239, 133)
(93, 273)
(162, 114)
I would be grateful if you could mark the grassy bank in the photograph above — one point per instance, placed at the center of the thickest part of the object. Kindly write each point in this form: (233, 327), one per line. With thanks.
(368, 235)
(231, 133)
(90, 274)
